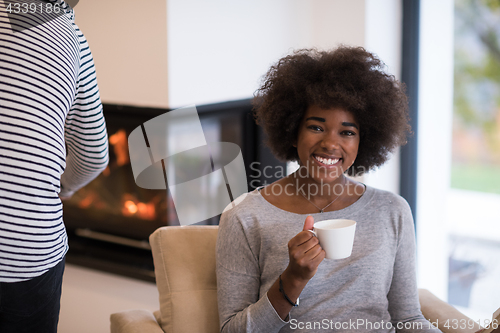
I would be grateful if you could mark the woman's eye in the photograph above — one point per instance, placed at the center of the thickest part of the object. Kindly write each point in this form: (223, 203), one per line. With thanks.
(349, 133)
(315, 128)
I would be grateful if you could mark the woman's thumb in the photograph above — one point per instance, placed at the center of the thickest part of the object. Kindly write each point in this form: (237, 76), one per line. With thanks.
(309, 223)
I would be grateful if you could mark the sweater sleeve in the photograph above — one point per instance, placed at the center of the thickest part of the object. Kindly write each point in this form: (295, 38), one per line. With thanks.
(404, 305)
(85, 129)
(241, 308)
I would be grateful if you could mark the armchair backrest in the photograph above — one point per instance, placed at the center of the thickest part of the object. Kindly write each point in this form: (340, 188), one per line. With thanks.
(184, 259)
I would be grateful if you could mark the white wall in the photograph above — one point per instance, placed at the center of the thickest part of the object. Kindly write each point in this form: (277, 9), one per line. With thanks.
(219, 50)
(383, 31)
(128, 40)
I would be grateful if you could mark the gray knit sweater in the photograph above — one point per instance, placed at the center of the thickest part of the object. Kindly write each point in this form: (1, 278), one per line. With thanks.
(374, 290)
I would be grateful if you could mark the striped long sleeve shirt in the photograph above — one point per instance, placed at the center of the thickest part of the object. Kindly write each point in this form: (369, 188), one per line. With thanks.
(53, 136)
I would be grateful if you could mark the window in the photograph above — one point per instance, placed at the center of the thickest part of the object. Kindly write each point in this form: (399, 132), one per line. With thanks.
(473, 209)
(458, 171)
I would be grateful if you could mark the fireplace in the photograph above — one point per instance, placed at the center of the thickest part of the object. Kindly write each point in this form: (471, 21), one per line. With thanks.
(109, 220)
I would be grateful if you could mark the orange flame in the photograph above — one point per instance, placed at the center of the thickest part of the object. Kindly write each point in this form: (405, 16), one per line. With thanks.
(120, 147)
(129, 208)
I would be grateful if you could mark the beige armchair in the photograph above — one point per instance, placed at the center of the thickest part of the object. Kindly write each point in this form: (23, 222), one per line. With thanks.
(184, 259)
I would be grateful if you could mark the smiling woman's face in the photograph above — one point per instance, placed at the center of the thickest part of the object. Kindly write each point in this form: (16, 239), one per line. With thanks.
(327, 142)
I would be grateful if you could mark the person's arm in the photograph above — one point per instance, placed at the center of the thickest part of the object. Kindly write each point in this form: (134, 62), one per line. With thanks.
(85, 129)
(404, 305)
(238, 279)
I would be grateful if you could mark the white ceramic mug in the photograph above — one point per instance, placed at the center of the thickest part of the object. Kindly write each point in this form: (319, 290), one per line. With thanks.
(336, 237)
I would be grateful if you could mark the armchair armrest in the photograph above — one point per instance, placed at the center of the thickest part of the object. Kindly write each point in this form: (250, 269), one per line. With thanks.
(134, 321)
(439, 312)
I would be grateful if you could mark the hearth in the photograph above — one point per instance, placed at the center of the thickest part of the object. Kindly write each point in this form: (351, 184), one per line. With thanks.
(109, 221)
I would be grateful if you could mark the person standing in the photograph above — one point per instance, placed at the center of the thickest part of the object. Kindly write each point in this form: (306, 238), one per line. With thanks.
(53, 141)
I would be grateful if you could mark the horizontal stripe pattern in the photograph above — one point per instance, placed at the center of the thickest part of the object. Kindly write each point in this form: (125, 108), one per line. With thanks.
(53, 136)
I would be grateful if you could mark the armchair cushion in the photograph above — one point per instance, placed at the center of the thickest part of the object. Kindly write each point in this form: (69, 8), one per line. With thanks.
(134, 321)
(184, 259)
(439, 313)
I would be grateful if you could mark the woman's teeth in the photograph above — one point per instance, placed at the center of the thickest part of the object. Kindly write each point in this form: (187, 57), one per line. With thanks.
(327, 161)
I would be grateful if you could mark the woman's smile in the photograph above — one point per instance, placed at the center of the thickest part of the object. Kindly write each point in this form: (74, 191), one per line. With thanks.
(327, 161)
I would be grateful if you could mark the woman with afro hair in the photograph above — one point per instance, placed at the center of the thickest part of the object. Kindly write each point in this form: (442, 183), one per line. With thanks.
(335, 113)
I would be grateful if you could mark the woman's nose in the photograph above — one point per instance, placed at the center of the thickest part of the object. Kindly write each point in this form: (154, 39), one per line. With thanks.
(330, 141)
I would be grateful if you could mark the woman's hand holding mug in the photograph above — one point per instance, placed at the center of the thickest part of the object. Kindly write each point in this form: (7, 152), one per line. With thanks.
(305, 253)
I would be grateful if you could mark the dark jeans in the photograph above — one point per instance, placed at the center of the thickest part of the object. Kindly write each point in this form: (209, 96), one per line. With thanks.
(33, 305)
